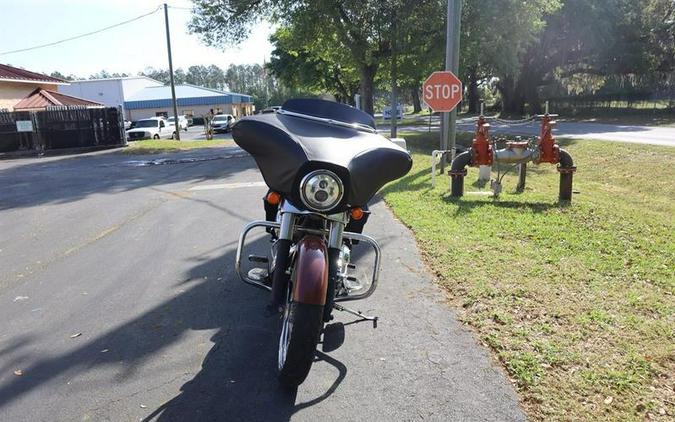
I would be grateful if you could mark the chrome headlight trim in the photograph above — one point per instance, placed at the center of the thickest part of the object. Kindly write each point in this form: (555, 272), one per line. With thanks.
(310, 186)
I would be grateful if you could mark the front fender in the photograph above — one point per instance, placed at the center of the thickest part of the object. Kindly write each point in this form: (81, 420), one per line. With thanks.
(310, 274)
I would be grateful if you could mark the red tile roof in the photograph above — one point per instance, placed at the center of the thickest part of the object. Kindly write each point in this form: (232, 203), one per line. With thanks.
(22, 75)
(41, 98)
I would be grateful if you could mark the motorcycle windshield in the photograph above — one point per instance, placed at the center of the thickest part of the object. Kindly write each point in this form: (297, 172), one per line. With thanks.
(286, 146)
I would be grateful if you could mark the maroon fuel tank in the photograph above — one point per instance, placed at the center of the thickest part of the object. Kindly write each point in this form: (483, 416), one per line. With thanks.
(310, 275)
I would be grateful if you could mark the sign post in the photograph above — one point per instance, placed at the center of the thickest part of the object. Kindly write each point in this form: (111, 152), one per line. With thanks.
(452, 34)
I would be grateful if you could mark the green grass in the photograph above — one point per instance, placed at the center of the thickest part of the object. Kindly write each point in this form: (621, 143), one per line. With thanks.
(152, 146)
(577, 302)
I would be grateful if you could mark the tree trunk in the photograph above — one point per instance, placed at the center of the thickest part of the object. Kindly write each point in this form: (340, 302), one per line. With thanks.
(528, 82)
(417, 104)
(532, 97)
(513, 101)
(474, 97)
(367, 87)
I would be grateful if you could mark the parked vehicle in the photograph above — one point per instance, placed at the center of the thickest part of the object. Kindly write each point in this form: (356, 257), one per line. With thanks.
(222, 123)
(183, 123)
(322, 162)
(271, 109)
(154, 127)
(127, 124)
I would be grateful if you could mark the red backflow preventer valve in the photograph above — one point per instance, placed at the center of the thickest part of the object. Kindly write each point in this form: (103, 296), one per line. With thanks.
(549, 151)
(481, 150)
(515, 154)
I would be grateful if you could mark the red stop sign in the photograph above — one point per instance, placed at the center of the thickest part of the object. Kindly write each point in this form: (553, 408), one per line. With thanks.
(442, 91)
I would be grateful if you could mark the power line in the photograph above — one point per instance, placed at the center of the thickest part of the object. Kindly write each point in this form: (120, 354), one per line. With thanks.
(82, 35)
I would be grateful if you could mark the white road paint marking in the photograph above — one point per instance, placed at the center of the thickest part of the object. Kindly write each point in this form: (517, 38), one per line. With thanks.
(228, 186)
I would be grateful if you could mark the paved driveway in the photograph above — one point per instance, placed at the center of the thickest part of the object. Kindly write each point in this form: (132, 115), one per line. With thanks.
(118, 302)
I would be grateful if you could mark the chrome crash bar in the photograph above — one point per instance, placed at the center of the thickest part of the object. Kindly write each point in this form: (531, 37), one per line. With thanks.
(346, 235)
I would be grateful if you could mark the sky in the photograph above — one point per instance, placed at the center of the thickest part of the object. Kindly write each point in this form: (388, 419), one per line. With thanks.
(126, 49)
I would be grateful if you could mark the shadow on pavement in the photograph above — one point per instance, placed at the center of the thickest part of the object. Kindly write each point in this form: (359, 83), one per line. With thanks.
(237, 380)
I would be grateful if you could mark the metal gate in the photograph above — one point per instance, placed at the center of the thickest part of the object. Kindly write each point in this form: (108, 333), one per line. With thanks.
(61, 128)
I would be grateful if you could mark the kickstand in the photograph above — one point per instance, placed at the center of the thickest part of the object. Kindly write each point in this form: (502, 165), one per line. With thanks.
(359, 314)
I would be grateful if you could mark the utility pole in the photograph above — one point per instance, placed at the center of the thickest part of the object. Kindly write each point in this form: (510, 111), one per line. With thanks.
(452, 35)
(176, 125)
(394, 76)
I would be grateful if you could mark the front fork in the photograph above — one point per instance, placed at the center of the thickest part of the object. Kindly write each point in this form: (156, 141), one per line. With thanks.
(281, 275)
(334, 248)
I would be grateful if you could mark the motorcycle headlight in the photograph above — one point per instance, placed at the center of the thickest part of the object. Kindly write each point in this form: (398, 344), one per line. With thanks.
(321, 190)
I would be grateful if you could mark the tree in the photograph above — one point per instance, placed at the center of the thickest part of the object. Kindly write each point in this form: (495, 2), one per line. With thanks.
(419, 47)
(197, 75)
(586, 43)
(215, 77)
(360, 28)
(495, 35)
(179, 76)
(161, 75)
(312, 65)
(103, 74)
(59, 75)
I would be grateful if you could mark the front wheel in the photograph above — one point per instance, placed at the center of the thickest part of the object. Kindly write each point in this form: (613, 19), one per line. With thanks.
(156, 136)
(300, 331)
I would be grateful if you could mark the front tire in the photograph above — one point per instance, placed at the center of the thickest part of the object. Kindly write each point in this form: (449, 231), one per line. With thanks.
(300, 331)
(155, 137)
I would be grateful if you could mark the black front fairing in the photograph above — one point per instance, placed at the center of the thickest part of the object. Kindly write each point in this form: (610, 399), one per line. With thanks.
(287, 147)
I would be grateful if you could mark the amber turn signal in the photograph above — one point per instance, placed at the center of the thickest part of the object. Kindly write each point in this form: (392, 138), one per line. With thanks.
(273, 198)
(356, 213)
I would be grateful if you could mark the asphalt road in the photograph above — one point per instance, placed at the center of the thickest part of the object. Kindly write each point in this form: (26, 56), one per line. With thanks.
(118, 302)
(652, 135)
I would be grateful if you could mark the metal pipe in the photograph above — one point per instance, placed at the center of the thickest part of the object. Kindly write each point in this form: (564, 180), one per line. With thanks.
(565, 159)
(376, 265)
(513, 155)
(434, 156)
(240, 250)
(566, 170)
(280, 277)
(457, 173)
(335, 235)
(522, 174)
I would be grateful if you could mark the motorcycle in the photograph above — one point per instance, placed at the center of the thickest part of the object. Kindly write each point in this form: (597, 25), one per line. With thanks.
(322, 162)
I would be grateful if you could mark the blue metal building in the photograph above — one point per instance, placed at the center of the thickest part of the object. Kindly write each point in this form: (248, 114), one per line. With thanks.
(191, 100)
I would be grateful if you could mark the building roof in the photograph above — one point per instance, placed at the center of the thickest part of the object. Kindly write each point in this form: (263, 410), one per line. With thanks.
(42, 98)
(14, 74)
(186, 95)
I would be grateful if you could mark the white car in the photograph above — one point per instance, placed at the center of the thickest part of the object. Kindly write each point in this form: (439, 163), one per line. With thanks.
(152, 128)
(222, 123)
(182, 122)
